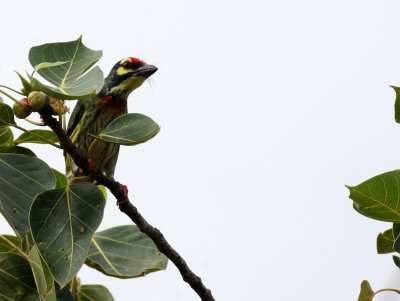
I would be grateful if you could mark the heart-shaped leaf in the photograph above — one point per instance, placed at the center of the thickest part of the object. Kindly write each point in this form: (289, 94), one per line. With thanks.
(16, 150)
(124, 252)
(43, 279)
(130, 129)
(87, 85)
(94, 292)
(16, 279)
(37, 136)
(21, 179)
(366, 292)
(66, 65)
(379, 197)
(6, 115)
(62, 222)
(6, 136)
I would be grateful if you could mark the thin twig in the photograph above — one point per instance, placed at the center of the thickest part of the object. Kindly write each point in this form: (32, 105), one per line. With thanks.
(126, 207)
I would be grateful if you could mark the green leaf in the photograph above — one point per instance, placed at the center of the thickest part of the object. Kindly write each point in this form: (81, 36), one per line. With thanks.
(397, 104)
(27, 88)
(86, 86)
(44, 280)
(379, 197)
(16, 279)
(385, 241)
(63, 221)
(37, 136)
(366, 292)
(124, 252)
(6, 115)
(9, 243)
(6, 136)
(61, 179)
(71, 79)
(396, 261)
(21, 179)
(130, 129)
(16, 150)
(94, 292)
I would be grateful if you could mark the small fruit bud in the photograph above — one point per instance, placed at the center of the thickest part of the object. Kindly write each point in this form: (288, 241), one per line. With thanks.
(36, 100)
(57, 106)
(21, 109)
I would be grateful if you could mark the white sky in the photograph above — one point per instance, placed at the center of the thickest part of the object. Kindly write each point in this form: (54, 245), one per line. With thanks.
(267, 109)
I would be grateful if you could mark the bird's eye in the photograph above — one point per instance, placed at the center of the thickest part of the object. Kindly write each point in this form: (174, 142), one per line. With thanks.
(137, 65)
(126, 65)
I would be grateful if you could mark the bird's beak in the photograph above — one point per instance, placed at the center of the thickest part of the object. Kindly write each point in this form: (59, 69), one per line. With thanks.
(145, 71)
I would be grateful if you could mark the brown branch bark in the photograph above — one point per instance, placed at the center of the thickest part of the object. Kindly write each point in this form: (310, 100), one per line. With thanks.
(127, 207)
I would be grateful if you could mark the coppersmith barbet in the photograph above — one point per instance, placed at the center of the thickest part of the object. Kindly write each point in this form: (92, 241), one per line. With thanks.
(93, 114)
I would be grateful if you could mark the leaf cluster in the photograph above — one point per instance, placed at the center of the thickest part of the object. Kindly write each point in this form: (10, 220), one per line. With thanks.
(379, 198)
(55, 221)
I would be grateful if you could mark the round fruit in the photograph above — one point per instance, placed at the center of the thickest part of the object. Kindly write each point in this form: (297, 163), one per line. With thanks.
(36, 100)
(22, 109)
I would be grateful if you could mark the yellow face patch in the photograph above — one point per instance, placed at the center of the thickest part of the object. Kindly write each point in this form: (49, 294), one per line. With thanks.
(122, 71)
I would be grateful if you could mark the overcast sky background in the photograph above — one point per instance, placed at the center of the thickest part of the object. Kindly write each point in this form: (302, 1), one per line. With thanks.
(267, 109)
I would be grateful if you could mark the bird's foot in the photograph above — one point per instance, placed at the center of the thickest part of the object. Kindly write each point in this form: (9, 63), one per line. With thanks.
(124, 198)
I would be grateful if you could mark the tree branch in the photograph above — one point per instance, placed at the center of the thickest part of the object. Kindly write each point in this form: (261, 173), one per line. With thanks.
(126, 207)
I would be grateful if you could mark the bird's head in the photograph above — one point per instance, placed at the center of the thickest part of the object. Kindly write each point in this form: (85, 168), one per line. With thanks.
(126, 76)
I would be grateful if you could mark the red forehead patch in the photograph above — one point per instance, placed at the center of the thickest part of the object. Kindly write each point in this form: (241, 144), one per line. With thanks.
(135, 60)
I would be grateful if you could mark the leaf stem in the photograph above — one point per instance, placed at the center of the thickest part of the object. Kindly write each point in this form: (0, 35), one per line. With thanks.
(386, 290)
(36, 135)
(9, 88)
(9, 96)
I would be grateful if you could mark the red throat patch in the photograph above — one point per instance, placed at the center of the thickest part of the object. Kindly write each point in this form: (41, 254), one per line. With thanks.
(114, 104)
(107, 99)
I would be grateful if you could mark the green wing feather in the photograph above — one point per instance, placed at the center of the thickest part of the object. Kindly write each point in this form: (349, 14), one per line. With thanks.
(76, 116)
